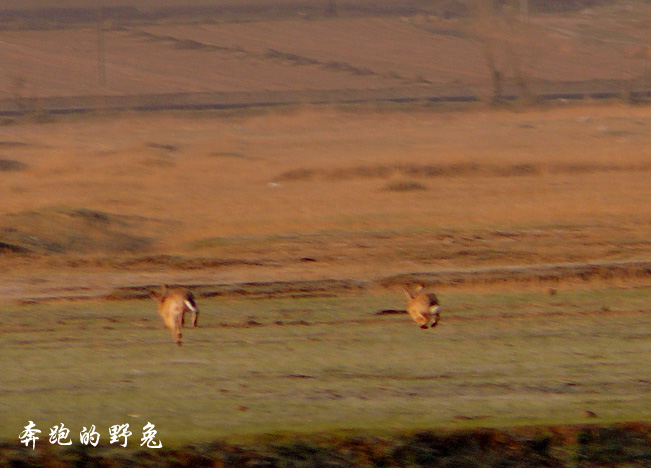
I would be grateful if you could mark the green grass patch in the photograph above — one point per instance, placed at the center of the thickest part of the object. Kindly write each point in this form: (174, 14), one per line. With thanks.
(327, 364)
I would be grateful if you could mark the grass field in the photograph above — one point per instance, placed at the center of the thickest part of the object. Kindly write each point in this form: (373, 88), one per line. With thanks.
(329, 364)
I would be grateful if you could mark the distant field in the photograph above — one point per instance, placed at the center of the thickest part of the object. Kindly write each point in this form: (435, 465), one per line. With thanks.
(403, 55)
(148, 5)
(327, 364)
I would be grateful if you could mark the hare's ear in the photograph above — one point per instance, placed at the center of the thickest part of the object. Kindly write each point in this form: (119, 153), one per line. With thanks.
(407, 292)
(419, 287)
(159, 295)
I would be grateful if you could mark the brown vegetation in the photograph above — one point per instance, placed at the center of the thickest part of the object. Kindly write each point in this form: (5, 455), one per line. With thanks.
(221, 197)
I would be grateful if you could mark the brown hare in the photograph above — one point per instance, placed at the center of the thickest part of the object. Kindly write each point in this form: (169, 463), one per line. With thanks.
(423, 307)
(173, 303)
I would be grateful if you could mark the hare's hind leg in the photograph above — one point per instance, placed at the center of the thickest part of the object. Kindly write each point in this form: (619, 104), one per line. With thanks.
(195, 317)
(176, 329)
(434, 318)
(176, 336)
(422, 321)
(192, 307)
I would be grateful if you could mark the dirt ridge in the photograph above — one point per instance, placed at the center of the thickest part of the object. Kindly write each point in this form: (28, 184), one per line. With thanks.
(545, 274)
(544, 91)
(372, 171)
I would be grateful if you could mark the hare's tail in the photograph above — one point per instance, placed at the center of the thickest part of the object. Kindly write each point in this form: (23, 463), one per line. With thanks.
(435, 317)
(190, 304)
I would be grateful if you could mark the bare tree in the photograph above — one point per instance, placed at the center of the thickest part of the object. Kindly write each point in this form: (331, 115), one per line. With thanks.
(331, 9)
(485, 27)
(524, 10)
(508, 42)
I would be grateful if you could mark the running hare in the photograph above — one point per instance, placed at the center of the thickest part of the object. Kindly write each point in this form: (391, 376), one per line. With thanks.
(172, 306)
(423, 307)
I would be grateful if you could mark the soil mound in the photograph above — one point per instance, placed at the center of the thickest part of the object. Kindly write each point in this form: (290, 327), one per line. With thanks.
(71, 230)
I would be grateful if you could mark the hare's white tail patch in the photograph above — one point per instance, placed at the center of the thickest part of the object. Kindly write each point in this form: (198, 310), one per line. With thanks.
(191, 305)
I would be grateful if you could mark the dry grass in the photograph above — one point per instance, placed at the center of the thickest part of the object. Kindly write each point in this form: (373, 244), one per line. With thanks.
(405, 186)
(110, 169)
(564, 184)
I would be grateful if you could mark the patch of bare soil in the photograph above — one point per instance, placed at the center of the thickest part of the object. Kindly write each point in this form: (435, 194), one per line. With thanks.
(11, 165)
